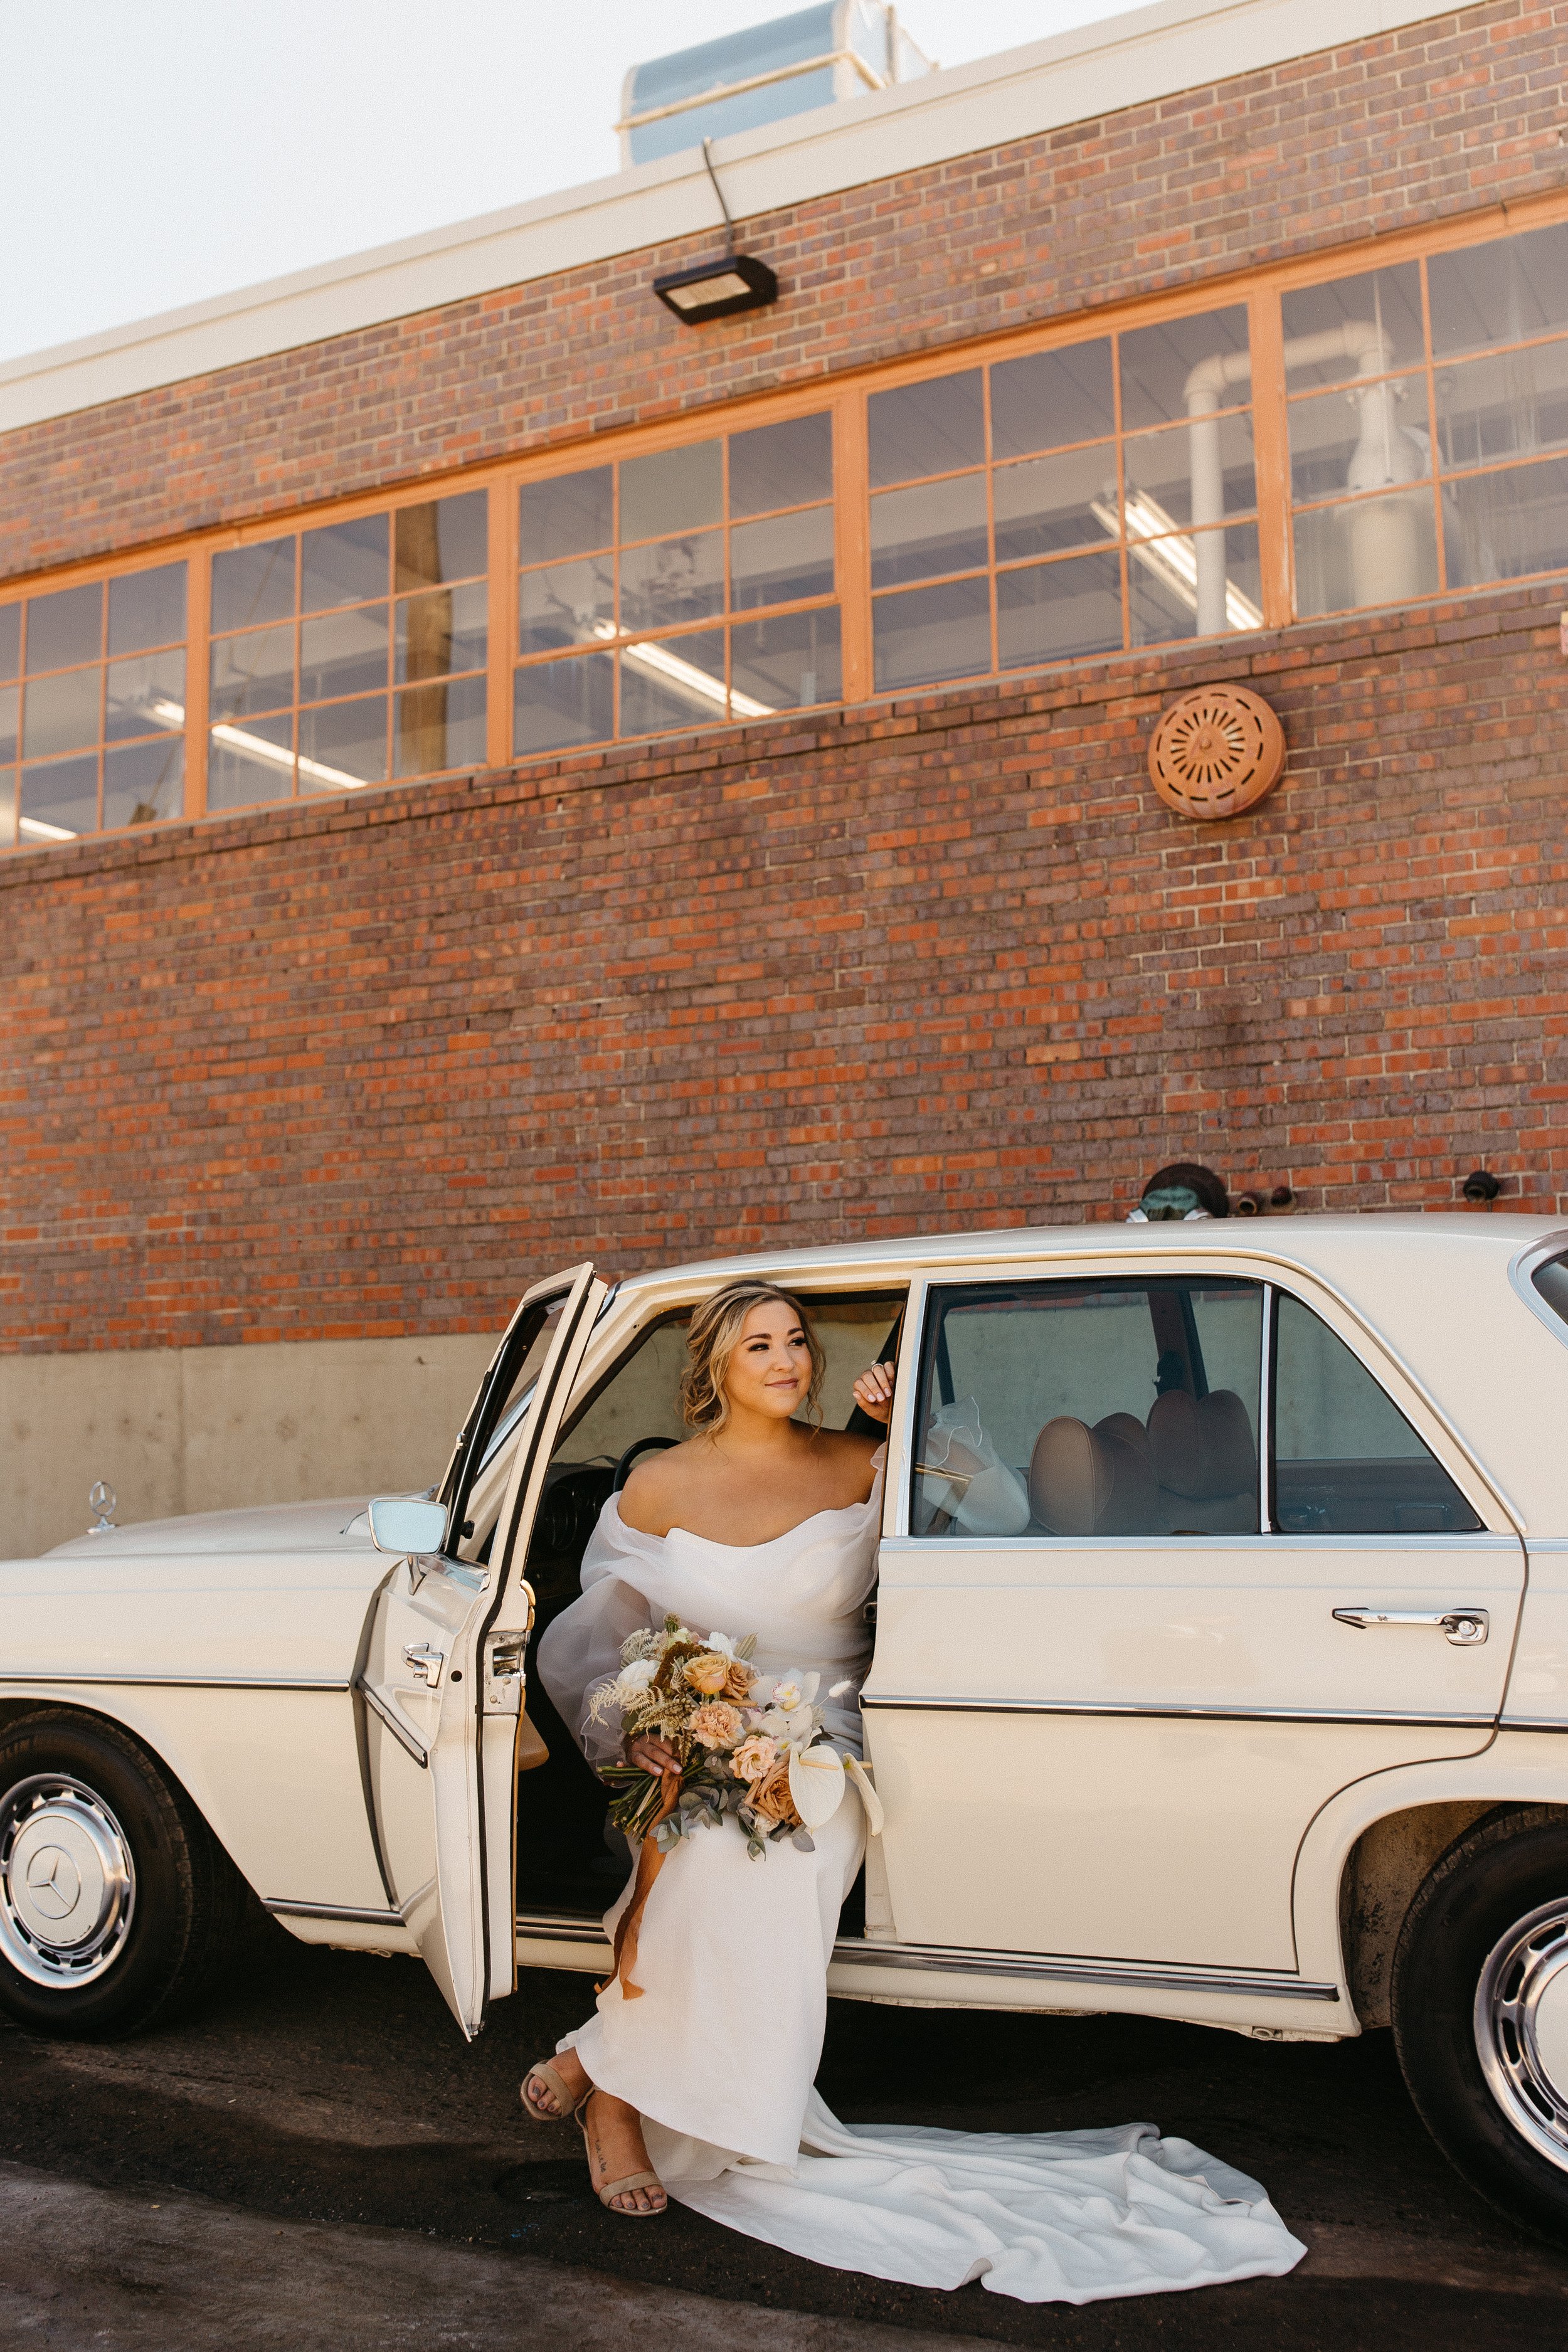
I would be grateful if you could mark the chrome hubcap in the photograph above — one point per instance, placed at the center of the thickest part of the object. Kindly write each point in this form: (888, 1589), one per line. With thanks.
(67, 1881)
(1522, 2027)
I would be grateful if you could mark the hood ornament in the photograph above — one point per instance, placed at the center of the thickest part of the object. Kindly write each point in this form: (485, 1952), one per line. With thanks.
(102, 1499)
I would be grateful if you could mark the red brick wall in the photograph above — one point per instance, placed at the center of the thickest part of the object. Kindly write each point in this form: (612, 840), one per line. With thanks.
(1436, 118)
(946, 962)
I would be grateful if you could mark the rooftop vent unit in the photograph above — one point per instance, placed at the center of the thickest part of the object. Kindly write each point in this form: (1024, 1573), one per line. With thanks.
(841, 48)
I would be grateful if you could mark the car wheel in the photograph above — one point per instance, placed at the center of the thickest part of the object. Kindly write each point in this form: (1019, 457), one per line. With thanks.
(116, 1902)
(1480, 2011)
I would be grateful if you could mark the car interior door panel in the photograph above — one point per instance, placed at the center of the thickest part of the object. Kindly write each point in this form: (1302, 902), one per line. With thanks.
(1106, 1734)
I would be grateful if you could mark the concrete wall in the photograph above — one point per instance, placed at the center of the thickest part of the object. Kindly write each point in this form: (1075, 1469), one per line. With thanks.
(207, 1429)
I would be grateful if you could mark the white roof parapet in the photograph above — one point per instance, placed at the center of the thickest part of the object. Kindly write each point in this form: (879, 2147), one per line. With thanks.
(1124, 62)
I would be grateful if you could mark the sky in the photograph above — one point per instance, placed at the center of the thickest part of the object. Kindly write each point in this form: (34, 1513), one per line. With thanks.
(161, 153)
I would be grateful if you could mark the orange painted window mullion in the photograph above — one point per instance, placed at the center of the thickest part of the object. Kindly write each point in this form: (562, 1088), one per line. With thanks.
(198, 631)
(851, 532)
(1271, 455)
(501, 619)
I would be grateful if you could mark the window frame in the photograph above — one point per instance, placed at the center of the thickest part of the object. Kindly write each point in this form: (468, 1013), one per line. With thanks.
(846, 397)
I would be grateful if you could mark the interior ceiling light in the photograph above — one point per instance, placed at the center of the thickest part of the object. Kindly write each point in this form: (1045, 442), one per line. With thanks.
(718, 289)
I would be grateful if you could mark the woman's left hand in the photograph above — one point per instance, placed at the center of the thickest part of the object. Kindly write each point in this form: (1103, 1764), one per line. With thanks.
(874, 1392)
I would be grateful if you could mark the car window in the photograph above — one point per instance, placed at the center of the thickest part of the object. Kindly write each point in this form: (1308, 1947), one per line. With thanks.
(1550, 1281)
(1127, 1406)
(1346, 1461)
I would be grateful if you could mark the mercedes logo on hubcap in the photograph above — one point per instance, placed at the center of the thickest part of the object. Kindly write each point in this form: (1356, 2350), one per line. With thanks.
(54, 1882)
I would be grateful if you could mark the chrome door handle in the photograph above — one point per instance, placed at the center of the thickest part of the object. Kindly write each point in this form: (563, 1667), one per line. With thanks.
(1466, 1628)
(425, 1663)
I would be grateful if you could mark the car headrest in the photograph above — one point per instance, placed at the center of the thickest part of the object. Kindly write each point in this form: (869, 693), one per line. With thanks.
(1090, 1482)
(1202, 1447)
(1125, 1425)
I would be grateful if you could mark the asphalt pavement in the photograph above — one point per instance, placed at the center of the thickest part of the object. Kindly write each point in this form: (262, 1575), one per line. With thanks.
(318, 2159)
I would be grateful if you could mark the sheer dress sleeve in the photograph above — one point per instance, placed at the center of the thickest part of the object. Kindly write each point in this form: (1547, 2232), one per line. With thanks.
(582, 1649)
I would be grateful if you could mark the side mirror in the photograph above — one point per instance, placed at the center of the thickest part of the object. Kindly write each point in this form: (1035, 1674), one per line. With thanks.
(406, 1524)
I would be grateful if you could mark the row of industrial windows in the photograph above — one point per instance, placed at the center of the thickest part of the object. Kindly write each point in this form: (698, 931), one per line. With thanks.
(1085, 498)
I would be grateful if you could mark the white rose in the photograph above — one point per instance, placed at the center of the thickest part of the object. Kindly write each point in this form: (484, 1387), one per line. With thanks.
(633, 1680)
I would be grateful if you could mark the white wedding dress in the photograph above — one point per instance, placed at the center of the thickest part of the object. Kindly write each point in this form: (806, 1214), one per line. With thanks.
(719, 2054)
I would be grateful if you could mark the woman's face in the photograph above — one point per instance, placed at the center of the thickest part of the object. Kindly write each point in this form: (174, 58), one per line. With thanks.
(770, 1370)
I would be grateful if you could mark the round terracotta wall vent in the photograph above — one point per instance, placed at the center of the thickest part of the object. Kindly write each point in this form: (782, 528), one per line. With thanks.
(1216, 752)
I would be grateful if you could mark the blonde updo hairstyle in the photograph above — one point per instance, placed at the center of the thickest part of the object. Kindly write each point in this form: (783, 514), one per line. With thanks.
(711, 1341)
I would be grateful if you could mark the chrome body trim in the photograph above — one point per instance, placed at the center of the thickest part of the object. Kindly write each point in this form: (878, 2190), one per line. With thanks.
(955, 1960)
(394, 1723)
(181, 1682)
(1216, 1714)
(1533, 1723)
(345, 1911)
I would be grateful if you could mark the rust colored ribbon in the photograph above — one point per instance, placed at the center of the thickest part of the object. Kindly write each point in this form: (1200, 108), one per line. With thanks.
(650, 1861)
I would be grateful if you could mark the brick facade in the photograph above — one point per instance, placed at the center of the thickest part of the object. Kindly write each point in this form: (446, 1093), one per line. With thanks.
(364, 1068)
(945, 962)
(1434, 120)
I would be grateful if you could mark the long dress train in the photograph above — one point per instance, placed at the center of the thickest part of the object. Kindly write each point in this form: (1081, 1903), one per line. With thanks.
(719, 2054)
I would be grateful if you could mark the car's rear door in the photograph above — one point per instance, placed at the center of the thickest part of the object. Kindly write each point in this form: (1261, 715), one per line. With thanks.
(1104, 1733)
(442, 1680)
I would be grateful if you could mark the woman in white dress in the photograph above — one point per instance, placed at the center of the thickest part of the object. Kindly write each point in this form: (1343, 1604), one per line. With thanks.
(700, 2085)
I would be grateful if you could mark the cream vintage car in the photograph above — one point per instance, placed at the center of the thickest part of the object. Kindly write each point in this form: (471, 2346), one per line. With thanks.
(1261, 1722)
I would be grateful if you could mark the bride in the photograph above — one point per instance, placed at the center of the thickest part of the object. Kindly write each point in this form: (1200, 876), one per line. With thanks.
(697, 2083)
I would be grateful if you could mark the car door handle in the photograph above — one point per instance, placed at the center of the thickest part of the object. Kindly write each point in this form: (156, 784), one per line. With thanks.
(425, 1663)
(1466, 1628)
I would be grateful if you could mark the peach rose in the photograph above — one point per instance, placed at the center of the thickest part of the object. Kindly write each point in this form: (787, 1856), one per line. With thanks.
(739, 1680)
(772, 1799)
(715, 1725)
(756, 1757)
(708, 1672)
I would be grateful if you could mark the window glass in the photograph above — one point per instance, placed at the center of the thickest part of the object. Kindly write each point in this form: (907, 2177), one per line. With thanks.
(1173, 582)
(1048, 504)
(1503, 292)
(1369, 551)
(786, 464)
(1346, 1461)
(1359, 326)
(1126, 1406)
(445, 539)
(569, 516)
(1170, 370)
(1049, 612)
(1048, 399)
(937, 427)
(1509, 405)
(939, 527)
(72, 702)
(652, 563)
(147, 608)
(343, 563)
(673, 490)
(926, 635)
(382, 602)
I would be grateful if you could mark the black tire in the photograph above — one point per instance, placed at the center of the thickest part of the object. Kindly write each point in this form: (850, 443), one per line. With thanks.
(95, 1836)
(1482, 1963)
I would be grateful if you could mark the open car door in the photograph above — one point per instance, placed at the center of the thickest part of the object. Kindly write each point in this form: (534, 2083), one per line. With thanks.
(442, 1680)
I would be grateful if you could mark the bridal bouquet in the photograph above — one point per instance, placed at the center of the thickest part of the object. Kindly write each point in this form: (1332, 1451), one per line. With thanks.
(750, 1746)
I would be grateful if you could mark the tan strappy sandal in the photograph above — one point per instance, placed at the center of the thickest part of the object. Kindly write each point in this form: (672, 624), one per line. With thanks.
(565, 2107)
(614, 2188)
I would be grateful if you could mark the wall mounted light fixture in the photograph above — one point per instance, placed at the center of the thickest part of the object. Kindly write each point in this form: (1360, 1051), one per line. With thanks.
(718, 289)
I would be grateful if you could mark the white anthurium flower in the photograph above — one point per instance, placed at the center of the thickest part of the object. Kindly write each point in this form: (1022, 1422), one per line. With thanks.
(817, 1783)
